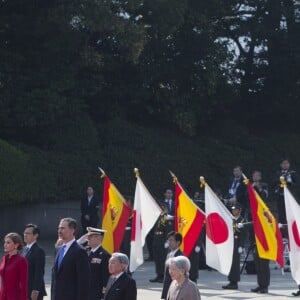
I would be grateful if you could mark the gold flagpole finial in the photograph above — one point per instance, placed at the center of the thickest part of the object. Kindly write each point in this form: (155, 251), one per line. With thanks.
(282, 182)
(173, 176)
(136, 172)
(102, 172)
(246, 180)
(202, 181)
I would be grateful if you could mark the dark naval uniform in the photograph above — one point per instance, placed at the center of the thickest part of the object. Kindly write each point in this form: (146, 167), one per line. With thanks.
(99, 273)
(161, 230)
(239, 240)
(125, 245)
(198, 249)
(261, 265)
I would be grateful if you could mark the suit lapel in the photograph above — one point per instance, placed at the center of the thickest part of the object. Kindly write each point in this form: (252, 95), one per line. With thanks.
(66, 257)
(178, 252)
(31, 250)
(115, 285)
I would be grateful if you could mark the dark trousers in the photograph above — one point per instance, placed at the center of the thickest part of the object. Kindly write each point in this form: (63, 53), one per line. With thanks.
(262, 270)
(159, 254)
(194, 259)
(234, 274)
(149, 243)
(281, 209)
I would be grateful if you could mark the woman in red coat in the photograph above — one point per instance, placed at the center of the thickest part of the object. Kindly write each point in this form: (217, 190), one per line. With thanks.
(13, 270)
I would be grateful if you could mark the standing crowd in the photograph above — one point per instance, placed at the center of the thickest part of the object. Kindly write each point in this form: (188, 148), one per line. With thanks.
(84, 270)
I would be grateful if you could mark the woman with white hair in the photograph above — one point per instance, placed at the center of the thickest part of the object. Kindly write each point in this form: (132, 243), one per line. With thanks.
(181, 287)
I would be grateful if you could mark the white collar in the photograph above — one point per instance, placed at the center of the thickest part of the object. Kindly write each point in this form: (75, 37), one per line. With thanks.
(68, 245)
(173, 252)
(95, 249)
(30, 245)
(117, 276)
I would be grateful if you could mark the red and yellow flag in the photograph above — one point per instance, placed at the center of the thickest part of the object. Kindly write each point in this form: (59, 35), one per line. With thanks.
(189, 219)
(115, 214)
(267, 233)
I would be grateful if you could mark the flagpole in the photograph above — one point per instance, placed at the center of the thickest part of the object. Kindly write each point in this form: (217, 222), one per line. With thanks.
(282, 182)
(173, 176)
(102, 172)
(246, 180)
(136, 172)
(202, 182)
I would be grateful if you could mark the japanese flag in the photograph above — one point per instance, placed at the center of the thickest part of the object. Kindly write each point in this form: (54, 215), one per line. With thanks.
(293, 220)
(219, 233)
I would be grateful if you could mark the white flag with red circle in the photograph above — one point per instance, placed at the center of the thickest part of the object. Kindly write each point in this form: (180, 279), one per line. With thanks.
(145, 213)
(219, 233)
(293, 221)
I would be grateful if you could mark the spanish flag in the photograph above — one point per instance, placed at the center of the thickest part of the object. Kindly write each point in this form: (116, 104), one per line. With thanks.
(267, 233)
(189, 219)
(115, 215)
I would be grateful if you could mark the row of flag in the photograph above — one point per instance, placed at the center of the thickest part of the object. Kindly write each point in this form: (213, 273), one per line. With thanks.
(189, 219)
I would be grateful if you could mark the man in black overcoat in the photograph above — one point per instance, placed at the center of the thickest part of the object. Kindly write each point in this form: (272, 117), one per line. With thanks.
(35, 256)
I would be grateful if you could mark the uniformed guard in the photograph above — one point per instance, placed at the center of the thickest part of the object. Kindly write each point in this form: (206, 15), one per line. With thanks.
(162, 227)
(239, 239)
(261, 265)
(98, 259)
(125, 245)
(194, 256)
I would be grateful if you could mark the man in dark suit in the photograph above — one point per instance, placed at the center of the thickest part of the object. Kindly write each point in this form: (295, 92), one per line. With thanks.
(291, 178)
(120, 285)
(174, 240)
(89, 208)
(237, 191)
(35, 256)
(71, 271)
(98, 259)
(170, 203)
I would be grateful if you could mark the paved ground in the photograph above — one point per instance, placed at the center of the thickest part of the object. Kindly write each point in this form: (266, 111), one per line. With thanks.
(209, 283)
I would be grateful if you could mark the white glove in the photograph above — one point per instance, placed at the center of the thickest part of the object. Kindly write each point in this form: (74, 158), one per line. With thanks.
(83, 239)
(197, 249)
(166, 245)
(240, 225)
(280, 225)
(240, 250)
(169, 217)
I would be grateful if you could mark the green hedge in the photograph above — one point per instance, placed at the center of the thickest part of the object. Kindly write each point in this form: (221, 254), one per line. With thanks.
(31, 174)
(17, 181)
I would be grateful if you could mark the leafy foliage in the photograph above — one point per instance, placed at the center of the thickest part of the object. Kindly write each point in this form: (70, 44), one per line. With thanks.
(87, 81)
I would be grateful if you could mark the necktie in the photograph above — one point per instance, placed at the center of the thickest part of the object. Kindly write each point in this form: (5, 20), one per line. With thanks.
(26, 250)
(111, 281)
(170, 206)
(61, 255)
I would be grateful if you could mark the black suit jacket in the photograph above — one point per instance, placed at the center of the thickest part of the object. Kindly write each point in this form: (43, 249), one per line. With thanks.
(167, 277)
(170, 210)
(72, 280)
(92, 210)
(123, 289)
(36, 269)
(99, 272)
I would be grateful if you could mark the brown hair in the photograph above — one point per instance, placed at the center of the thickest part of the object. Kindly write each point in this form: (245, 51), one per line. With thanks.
(71, 222)
(16, 238)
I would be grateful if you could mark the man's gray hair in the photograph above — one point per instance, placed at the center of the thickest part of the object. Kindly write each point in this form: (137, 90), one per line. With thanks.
(121, 257)
(181, 262)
